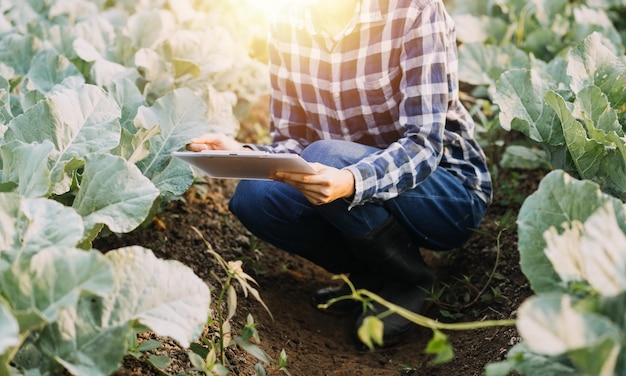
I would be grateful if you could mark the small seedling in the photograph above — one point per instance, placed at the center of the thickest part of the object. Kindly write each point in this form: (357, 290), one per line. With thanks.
(209, 356)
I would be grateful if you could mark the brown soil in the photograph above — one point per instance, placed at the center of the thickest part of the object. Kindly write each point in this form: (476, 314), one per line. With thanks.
(320, 344)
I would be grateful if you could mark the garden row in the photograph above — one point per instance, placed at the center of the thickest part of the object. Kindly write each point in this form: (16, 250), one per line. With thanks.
(555, 72)
(94, 96)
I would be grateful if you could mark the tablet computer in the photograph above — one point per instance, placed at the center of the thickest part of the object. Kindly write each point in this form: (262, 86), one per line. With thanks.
(258, 165)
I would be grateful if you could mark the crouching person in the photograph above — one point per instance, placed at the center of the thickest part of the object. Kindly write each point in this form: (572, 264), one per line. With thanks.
(366, 91)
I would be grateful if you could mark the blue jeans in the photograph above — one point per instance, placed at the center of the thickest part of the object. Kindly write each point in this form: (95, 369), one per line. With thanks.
(440, 213)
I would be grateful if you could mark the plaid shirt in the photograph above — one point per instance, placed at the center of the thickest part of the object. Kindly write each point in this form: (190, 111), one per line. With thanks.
(388, 80)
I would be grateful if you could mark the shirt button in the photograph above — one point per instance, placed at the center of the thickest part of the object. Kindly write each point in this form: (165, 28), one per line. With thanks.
(336, 95)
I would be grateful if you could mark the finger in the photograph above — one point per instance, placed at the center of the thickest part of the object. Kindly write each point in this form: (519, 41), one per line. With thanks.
(311, 179)
(197, 147)
(285, 175)
(276, 177)
(307, 190)
(318, 167)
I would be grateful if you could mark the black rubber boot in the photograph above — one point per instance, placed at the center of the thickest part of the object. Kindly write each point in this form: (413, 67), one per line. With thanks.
(392, 254)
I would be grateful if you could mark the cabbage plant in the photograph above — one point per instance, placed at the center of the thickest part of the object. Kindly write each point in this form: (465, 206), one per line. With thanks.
(572, 238)
(556, 72)
(573, 246)
(579, 120)
(497, 36)
(515, 51)
(67, 308)
(94, 97)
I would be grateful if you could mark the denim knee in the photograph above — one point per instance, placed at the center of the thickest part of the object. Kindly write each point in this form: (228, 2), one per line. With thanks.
(319, 151)
(336, 153)
(258, 202)
(243, 197)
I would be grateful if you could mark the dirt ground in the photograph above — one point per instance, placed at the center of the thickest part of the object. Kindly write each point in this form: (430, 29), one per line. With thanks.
(321, 344)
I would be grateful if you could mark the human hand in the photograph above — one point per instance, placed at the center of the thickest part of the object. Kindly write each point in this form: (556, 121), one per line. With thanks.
(214, 141)
(328, 185)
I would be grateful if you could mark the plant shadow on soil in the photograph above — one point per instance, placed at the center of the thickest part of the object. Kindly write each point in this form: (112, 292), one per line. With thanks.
(321, 344)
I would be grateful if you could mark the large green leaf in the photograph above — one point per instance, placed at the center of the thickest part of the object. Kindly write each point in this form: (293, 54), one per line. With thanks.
(113, 192)
(592, 63)
(484, 64)
(593, 252)
(182, 115)
(185, 51)
(588, 19)
(102, 71)
(60, 37)
(556, 73)
(80, 342)
(17, 51)
(595, 150)
(146, 28)
(520, 95)
(156, 73)
(521, 359)
(77, 121)
(87, 23)
(560, 199)
(9, 329)
(27, 166)
(39, 227)
(596, 111)
(550, 325)
(586, 153)
(9, 337)
(523, 157)
(55, 279)
(173, 180)
(193, 63)
(613, 168)
(71, 11)
(9, 209)
(28, 226)
(547, 10)
(479, 28)
(135, 147)
(48, 69)
(164, 295)
(542, 42)
(5, 100)
(529, 363)
(128, 97)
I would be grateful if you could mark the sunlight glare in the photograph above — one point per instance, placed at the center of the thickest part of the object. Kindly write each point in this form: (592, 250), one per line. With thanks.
(266, 8)
(269, 8)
